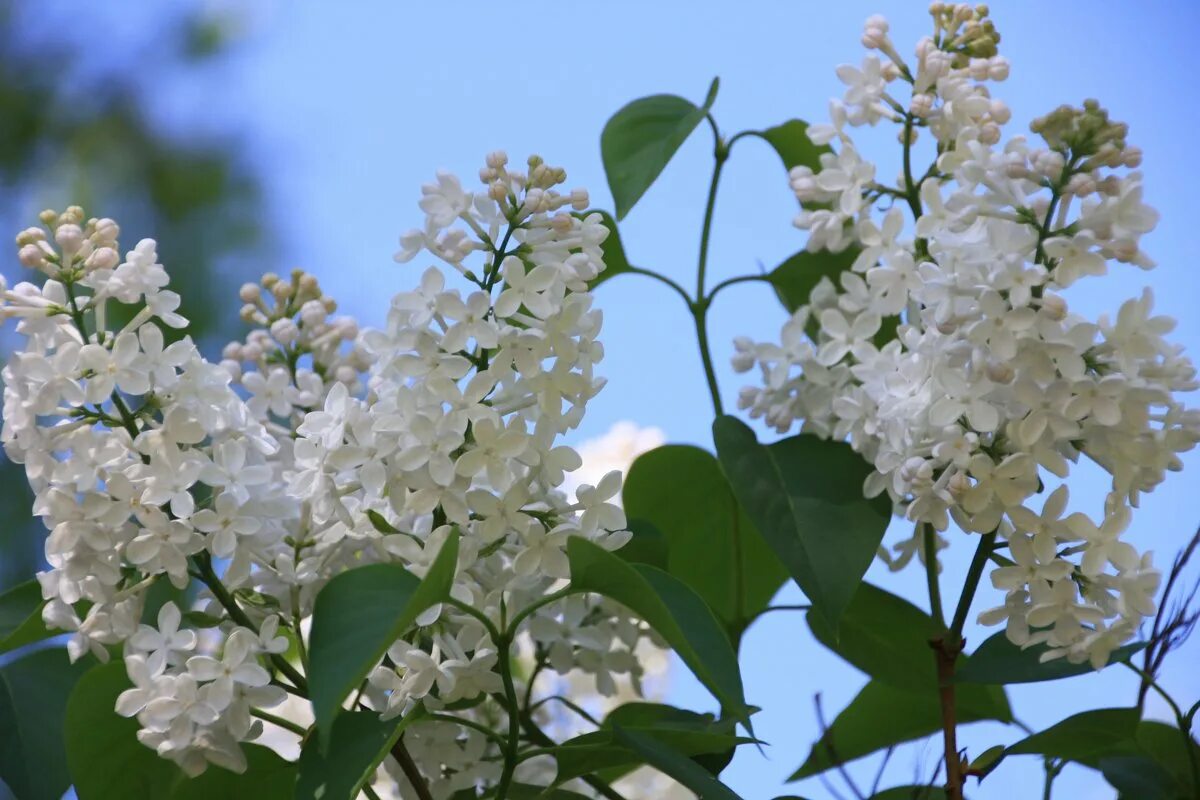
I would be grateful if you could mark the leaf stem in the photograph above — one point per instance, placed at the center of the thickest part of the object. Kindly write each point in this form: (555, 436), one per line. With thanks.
(986, 542)
(514, 717)
(699, 306)
(663, 279)
(280, 722)
(929, 543)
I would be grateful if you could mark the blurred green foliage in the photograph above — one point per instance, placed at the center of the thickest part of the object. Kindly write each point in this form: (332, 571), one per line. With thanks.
(82, 122)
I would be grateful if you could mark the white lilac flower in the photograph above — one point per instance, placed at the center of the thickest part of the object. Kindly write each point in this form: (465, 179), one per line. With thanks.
(991, 387)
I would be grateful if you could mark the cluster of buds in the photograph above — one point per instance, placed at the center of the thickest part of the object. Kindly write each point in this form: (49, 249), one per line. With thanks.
(82, 248)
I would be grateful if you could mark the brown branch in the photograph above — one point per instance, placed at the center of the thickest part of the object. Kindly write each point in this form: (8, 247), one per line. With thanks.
(946, 650)
(411, 771)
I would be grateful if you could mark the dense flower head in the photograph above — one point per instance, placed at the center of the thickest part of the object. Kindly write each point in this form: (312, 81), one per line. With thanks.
(312, 447)
(948, 356)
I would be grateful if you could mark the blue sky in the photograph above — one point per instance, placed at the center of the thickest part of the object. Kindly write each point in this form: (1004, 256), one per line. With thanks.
(354, 106)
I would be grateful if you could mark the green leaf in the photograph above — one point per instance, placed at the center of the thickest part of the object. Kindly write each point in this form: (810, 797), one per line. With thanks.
(525, 791)
(682, 491)
(380, 523)
(267, 777)
(603, 750)
(676, 612)
(646, 545)
(1141, 777)
(791, 142)
(1164, 744)
(21, 617)
(918, 792)
(639, 140)
(359, 743)
(357, 616)
(615, 260)
(883, 715)
(885, 636)
(804, 495)
(1143, 760)
(998, 660)
(983, 764)
(33, 701)
(673, 763)
(106, 760)
(799, 274)
(1086, 737)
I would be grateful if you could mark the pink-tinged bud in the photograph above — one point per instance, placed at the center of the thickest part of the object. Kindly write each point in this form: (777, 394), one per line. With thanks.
(103, 258)
(70, 238)
(105, 230)
(1000, 372)
(989, 133)
(31, 256)
(1054, 306)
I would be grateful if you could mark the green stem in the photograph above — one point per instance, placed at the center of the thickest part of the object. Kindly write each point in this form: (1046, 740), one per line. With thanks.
(539, 737)
(699, 306)
(732, 281)
(663, 279)
(286, 724)
(929, 543)
(514, 718)
(209, 577)
(569, 704)
(487, 624)
(1183, 721)
(1052, 770)
(525, 613)
(986, 542)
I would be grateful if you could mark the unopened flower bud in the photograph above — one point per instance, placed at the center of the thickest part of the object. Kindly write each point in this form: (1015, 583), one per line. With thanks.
(249, 293)
(999, 111)
(48, 217)
(69, 237)
(959, 484)
(497, 191)
(105, 230)
(1000, 372)
(346, 374)
(232, 367)
(998, 68)
(921, 105)
(31, 256)
(1132, 157)
(496, 159)
(281, 291)
(285, 330)
(579, 199)
(232, 350)
(102, 258)
(1054, 306)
